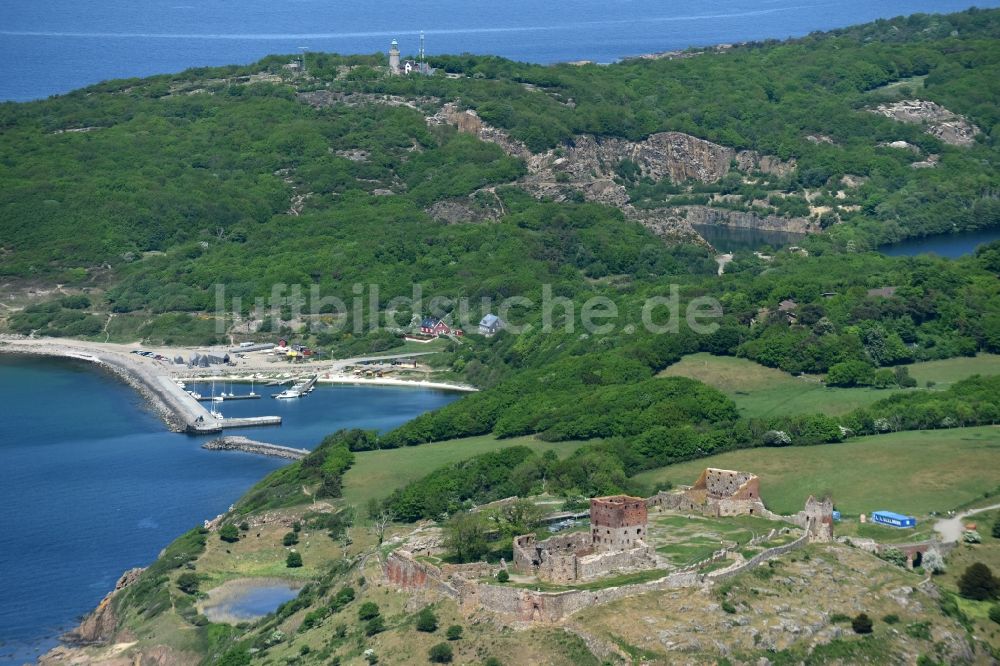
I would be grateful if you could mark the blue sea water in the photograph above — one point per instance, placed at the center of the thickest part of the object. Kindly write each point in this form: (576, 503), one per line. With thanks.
(53, 46)
(91, 483)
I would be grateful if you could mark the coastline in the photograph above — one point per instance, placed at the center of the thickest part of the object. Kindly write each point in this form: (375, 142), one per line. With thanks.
(143, 382)
(154, 380)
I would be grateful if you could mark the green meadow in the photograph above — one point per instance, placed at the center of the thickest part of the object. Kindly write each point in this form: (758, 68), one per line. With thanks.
(760, 391)
(910, 472)
(375, 474)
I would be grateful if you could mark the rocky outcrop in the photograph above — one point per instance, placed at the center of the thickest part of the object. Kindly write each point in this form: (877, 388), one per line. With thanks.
(324, 98)
(101, 624)
(733, 218)
(950, 127)
(590, 166)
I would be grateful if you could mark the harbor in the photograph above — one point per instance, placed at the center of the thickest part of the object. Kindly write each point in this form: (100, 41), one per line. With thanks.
(164, 384)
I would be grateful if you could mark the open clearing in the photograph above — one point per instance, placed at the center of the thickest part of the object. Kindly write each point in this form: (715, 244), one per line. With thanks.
(910, 472)
(376, 474)
(761, 391)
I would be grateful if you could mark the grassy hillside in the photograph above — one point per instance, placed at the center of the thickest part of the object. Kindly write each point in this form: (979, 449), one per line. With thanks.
(913, 472)
(376, 474)
(760, 391)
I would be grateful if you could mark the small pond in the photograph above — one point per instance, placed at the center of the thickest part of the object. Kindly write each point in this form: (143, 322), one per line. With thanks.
(247, 599)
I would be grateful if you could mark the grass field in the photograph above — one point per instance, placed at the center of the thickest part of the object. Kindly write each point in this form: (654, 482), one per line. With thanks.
(761, 391)
(951, 370)
(910, 472)
(376, 474)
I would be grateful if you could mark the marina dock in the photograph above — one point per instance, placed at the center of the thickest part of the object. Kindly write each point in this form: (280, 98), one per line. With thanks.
(199, 420)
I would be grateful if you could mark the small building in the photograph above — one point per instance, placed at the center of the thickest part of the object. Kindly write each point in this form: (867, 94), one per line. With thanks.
(893, 519)
(489, 325)
(434, 326)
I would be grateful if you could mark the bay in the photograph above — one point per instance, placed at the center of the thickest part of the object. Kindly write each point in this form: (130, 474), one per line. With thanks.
(92, 483)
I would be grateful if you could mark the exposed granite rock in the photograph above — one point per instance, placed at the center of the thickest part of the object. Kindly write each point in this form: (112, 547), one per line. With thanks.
(679, 218)
(589, 165)
(101, 624)
(939, 121)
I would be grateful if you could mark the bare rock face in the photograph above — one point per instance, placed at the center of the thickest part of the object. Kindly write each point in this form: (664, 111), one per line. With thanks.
(589, 167)
(940, 122)
(101, 624)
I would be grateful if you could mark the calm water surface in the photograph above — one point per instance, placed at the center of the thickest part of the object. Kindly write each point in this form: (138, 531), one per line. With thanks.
(91, 483)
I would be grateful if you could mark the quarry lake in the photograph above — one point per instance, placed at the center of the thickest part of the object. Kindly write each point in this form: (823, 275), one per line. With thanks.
(54, 46)
(92, 483)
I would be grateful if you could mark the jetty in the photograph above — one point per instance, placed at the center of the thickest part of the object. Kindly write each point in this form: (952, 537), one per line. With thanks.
(246, 445)
(199, 420)
(227, 398)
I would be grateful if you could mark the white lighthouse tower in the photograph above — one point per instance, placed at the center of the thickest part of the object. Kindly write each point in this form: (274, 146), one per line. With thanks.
(394, 58)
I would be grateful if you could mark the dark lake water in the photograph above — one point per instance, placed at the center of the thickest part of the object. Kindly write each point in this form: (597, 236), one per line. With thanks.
(53, 46)
(92, 484)
(736, 239)
(943, 245)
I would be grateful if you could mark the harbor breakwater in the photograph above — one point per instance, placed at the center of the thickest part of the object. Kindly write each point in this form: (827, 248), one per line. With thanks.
(247, 445)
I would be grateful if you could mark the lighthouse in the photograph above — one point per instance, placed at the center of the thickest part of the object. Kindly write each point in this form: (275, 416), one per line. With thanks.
(394, 58)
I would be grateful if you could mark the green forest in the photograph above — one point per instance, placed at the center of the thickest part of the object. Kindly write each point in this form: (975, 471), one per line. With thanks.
(137, 197)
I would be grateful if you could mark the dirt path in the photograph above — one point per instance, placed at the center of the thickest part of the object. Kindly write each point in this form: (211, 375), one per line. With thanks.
(950, 529)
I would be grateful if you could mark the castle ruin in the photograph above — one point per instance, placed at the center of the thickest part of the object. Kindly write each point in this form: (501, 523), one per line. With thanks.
(717, 492)
(615, 542)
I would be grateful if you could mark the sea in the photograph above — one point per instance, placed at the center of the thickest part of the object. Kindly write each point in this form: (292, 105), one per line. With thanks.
(92, 483)
(54, 46)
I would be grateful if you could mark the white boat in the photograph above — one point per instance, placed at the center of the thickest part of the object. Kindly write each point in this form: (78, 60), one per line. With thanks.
(195, 395)
(288, 394)
(216, 413)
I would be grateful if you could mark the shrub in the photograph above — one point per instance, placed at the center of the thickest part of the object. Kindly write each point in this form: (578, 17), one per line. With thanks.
(978, 583)
(933, 562)
(342, 598)
(728, 607)
(891, 618)
(294, 560)
(996, 529)
(921, 630)
(893, 556)
(454, 632)
(374, 626)
(188, 583)
(503, 576)
(290, 539)
(492, 661)
(244, 526)
(427, 621)
(839, 618)
(368, 610)
(441, 654)
(995, 613)
(229, 533)
(861, 624)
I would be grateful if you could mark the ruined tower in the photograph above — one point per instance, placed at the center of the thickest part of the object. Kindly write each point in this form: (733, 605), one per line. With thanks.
(394, 58)
(617, 522)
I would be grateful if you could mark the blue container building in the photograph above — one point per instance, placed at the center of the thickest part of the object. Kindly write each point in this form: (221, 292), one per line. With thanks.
(893, 519)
